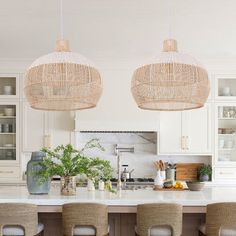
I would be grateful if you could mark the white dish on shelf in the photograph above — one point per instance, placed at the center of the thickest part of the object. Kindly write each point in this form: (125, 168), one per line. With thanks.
(9, 145)
(9, 111)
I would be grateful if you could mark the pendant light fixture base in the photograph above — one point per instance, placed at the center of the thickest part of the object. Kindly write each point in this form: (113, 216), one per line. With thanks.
(62, 45)
(170, 45)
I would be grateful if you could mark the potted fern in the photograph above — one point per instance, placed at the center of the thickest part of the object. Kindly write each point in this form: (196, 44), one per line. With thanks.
(66, 162)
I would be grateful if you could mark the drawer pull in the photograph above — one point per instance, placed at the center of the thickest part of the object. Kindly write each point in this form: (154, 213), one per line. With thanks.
(226, 173)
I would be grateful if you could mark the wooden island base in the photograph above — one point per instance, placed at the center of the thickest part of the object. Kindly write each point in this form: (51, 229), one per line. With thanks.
(122, 220)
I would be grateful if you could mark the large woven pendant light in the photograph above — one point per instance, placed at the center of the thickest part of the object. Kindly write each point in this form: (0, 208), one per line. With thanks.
(62, 80)
(173, 82)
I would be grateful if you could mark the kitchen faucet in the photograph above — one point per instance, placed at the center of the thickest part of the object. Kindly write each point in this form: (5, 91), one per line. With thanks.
(118, 151)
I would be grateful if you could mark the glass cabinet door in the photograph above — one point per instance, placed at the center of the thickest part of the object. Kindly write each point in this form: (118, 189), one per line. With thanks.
(8, 132)
(226, 133)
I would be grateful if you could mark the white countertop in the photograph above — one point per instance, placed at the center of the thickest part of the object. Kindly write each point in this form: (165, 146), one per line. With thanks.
(208, 195)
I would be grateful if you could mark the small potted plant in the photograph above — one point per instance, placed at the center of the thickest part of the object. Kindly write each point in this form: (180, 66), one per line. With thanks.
(205, 172)
(66, 162)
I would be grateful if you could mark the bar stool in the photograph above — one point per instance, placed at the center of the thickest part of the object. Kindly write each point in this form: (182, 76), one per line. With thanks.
(220, 220)
(162, 219)
(18, 219)
(83, 219)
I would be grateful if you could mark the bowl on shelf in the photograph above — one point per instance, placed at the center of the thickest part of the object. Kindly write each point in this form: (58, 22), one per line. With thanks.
(9, 145)
(195, 185)
(9, 111)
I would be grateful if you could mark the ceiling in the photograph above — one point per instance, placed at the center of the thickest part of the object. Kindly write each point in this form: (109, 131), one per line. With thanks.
(117, 29)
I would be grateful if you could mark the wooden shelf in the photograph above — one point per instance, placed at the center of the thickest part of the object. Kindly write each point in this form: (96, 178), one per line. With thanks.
(226, 134)
(4, 148)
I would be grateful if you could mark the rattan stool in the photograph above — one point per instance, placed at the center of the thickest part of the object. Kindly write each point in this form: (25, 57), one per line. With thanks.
(85, 219)
(220, 220)
(18, 219)
(162, 219)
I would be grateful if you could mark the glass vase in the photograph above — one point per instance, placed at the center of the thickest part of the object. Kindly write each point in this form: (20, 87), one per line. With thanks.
(33, 181)
(68, 185)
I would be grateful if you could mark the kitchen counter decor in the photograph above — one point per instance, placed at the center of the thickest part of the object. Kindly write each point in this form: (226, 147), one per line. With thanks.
(66, 162)
(205, 172)
(33, 184)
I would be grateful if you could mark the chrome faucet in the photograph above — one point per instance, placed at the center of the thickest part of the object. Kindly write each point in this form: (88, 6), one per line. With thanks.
(118, 151)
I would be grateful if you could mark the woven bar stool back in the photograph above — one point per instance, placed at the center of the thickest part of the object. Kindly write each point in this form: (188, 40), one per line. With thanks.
(85, 214)
(17, 214)
(220, 215)
(154, 215)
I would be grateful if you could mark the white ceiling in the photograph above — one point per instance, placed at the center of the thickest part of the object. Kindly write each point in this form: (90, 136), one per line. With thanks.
(117, 29)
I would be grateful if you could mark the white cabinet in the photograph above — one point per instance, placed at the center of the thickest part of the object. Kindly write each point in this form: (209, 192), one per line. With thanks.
(33, 128)
(187, 132)
(170, 133)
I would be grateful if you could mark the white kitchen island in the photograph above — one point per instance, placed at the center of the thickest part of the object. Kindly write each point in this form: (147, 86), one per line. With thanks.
(122, 205)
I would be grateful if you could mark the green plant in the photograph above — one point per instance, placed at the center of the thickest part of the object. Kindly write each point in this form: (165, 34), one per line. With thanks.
(65, 160)
(205, 170)
(97, 169)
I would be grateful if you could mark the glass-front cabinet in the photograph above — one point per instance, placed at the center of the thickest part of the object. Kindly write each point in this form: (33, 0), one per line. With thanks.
(225, 87)
(9, 126)
(226, 133)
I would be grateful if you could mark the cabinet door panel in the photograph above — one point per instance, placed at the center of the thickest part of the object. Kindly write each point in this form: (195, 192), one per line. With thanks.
(170, 133)
(197, 130)
(33, 128)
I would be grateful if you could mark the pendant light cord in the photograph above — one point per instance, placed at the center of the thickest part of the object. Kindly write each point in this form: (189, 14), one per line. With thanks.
(170, 17)
(61, 20)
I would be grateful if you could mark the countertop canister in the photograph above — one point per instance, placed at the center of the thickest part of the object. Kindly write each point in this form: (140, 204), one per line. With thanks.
(33, 184)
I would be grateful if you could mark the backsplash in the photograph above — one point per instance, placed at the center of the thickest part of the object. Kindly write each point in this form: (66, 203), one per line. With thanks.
(145, 150)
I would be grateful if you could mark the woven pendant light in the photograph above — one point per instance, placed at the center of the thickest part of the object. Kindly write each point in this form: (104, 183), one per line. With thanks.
(173, 82)
(62, 80)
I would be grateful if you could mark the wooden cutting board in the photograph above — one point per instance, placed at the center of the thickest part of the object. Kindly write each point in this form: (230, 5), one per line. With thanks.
(187, 171)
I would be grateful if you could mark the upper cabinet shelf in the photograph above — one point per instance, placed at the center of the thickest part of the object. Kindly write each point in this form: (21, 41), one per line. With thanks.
(225, 87)
(9, 86)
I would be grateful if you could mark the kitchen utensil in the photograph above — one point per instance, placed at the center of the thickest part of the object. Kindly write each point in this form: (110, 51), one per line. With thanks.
(195, 186)
(9, 111)
(125, 174)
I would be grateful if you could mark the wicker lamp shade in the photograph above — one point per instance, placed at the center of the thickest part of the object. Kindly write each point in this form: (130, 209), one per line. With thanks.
(174, 82)
(62, 81)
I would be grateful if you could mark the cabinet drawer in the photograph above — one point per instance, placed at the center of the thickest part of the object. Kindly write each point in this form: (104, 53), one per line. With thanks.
(9, 172)
(225, 173)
